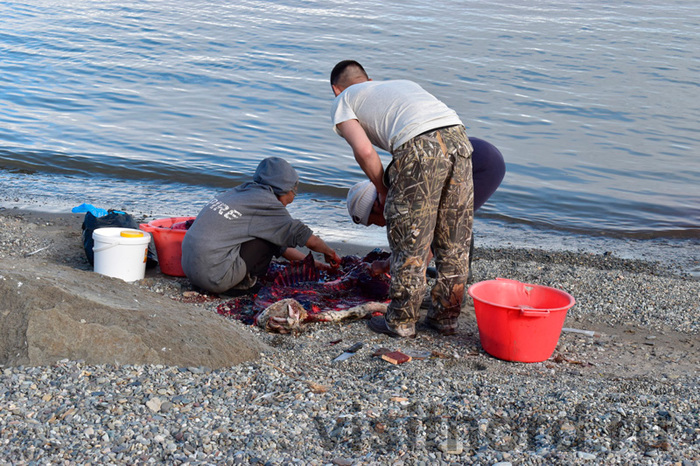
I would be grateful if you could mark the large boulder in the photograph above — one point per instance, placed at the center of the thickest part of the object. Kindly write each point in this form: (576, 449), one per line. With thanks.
(50, 312)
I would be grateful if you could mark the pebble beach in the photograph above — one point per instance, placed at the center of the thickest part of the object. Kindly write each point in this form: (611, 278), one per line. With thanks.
(620, 388)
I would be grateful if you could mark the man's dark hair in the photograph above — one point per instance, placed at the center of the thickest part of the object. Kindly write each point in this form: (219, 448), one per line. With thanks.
(339, 70)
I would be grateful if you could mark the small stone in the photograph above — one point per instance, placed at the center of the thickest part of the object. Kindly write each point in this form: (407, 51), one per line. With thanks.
(567, 427)
(451, 447)
(154, 404)
(165, 406)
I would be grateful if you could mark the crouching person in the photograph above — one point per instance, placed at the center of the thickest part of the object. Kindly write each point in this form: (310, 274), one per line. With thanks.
(236, 235)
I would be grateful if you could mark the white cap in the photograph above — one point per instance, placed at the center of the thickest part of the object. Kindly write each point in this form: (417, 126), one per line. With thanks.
(360, 201)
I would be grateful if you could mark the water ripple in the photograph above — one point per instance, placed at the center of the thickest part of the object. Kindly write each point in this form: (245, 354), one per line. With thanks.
(590, 102)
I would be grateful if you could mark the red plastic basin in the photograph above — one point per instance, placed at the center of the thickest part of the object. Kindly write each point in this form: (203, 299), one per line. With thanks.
(168, 234)
(519, 321)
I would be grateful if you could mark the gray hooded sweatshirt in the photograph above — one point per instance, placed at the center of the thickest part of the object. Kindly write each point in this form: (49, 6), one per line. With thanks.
(211, 247)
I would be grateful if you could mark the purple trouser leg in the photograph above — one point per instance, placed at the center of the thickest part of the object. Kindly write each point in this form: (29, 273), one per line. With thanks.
(488, 168)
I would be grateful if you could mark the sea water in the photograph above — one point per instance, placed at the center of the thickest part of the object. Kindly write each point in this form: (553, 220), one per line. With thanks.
(154, 107)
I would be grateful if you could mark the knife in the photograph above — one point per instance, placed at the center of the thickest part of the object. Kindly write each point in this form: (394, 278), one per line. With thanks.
(349, 352)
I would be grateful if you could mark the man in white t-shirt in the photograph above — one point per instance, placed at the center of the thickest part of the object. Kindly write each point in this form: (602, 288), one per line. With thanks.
(426, 192)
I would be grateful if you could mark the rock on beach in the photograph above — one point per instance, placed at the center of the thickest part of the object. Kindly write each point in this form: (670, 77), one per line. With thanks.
(53, 311)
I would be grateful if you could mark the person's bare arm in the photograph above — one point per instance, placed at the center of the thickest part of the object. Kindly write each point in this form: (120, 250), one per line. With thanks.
(293, 254)
(365, 154)
(317, 244)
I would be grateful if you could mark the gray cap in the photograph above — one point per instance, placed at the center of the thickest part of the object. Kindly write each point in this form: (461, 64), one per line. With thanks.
(278, 174)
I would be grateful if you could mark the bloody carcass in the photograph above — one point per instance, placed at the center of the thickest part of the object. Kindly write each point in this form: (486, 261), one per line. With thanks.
(295, 293)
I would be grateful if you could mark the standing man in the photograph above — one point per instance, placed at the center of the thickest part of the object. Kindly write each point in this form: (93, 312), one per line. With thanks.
(426, 193)
(488, 170)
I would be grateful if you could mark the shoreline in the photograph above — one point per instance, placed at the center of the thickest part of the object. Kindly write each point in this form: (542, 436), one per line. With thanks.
(323, 215)
(603, 298)
(627, 394)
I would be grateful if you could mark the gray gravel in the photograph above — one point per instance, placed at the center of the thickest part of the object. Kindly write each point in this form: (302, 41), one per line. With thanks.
(301, 408)
(627, 395)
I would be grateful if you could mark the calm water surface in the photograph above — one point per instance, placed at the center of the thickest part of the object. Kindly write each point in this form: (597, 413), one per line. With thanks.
(153, 106)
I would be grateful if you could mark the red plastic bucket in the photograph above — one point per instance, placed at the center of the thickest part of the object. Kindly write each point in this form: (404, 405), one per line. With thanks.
(519, 321)
(168, 234)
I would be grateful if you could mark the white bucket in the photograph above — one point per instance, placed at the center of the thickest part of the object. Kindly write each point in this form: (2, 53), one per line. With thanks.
(121, 252)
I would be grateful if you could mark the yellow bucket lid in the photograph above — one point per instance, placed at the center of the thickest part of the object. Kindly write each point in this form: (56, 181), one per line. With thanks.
(131, 234)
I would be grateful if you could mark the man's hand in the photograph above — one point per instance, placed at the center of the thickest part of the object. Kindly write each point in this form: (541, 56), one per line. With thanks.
(318, 245)
(322, 266)
(333, 259)
(381, 197)
(380, 267)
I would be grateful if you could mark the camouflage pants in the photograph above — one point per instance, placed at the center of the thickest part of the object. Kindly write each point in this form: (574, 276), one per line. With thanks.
(430, 203)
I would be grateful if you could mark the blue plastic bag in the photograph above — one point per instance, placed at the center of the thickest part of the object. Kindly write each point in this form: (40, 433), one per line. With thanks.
(96, 211)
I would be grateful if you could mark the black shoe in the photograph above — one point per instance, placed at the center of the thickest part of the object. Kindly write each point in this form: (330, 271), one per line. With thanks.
(378, 324)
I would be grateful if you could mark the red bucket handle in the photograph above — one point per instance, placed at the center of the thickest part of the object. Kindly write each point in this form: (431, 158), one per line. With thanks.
(530, 312)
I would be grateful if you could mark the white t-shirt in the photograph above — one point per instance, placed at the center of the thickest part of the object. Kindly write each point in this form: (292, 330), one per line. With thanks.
(391, 112)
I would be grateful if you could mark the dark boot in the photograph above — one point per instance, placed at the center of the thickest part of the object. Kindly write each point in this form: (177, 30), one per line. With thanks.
(379, 324)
